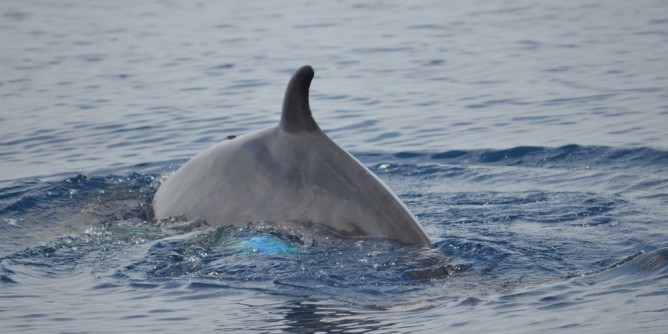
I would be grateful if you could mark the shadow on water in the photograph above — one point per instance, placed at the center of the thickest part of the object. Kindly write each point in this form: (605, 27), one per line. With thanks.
(307, 315)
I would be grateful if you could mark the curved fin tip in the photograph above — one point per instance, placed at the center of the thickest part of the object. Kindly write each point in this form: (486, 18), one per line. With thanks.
(296, 115)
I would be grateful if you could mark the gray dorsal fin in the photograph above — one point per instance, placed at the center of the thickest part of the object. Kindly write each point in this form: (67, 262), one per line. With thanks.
(296, 116)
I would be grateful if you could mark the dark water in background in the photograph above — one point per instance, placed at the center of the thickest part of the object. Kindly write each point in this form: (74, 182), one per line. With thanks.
(528, 138)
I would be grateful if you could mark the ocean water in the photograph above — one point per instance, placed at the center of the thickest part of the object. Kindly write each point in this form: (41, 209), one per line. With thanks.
(529, 138)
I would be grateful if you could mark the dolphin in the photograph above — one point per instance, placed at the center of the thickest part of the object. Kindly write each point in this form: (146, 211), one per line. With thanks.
(291, 172)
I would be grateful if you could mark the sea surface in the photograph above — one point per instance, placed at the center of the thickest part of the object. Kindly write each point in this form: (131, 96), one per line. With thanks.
(529, 138)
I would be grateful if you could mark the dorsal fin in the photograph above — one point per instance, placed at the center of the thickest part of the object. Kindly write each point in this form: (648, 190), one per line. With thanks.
(296, 116)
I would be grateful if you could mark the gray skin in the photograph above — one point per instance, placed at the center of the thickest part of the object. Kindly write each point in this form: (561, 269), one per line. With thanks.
(291, 172)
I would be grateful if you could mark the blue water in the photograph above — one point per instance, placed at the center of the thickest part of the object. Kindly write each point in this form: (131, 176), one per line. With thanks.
(528, 138)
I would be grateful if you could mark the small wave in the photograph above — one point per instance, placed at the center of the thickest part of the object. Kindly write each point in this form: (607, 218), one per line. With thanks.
(651, 263)
(568, 156)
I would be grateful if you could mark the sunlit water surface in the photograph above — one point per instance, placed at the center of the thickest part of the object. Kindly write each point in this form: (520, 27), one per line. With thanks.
(529, 139)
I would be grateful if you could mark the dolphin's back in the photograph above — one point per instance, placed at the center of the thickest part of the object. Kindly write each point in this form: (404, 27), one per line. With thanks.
(289, 172)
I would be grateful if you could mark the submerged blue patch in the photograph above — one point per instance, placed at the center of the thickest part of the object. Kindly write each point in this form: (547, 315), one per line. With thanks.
(267, 244)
